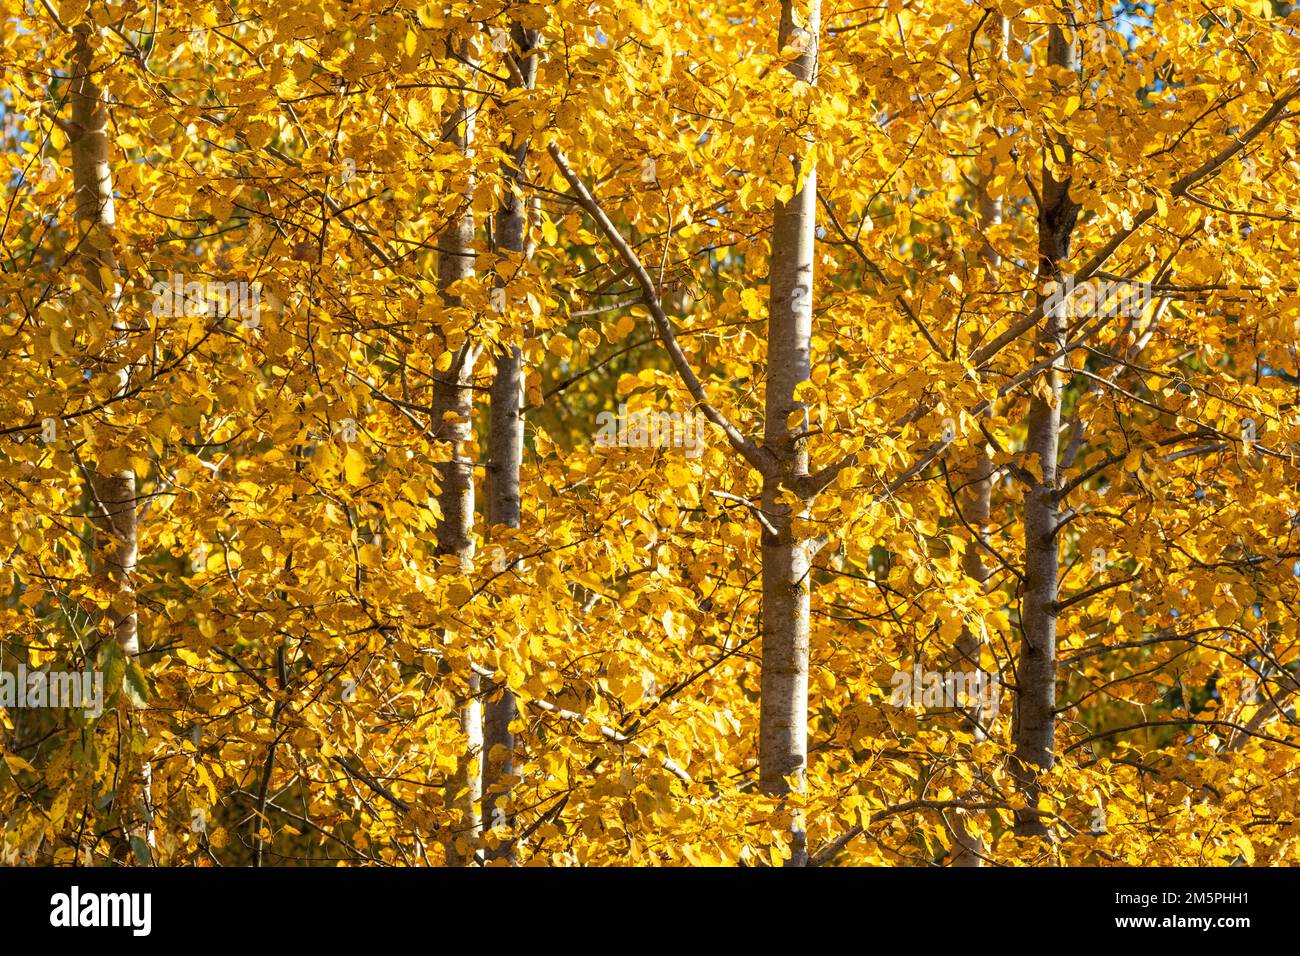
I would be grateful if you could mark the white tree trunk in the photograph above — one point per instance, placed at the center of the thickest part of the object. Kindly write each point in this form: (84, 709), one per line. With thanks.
(113, 495)
(968, 849)
(451, 414)
(506, 440)
(783, 717)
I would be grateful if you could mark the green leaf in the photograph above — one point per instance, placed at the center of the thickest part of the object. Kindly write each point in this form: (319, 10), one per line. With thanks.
(141, 851)
(112, 662)
(135, 684)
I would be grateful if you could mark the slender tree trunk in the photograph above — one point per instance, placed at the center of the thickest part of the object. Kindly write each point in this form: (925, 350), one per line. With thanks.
(506, 438)
(113, 493)
(783, 718)
(451, 414)
(505, 454)
(1035, 719)
(969, 849)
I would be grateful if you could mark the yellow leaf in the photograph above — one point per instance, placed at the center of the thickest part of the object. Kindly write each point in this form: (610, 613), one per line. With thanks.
(17, 763)
(1247, 849)
(354, 466)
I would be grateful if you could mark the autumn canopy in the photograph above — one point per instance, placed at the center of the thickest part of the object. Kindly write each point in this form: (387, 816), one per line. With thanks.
(795, 432)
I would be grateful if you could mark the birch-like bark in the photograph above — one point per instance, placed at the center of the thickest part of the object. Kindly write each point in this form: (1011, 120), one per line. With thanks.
(783, 716)
(506, 437)
(451, 414)
(113, 494)
(968, 848)
(1035, 717)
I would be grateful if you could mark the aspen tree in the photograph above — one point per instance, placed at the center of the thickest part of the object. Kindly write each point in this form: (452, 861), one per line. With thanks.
(970, 849)
(451, 414)
(114, 494)
(1035, 714)
(506, 425)
(783, 729)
